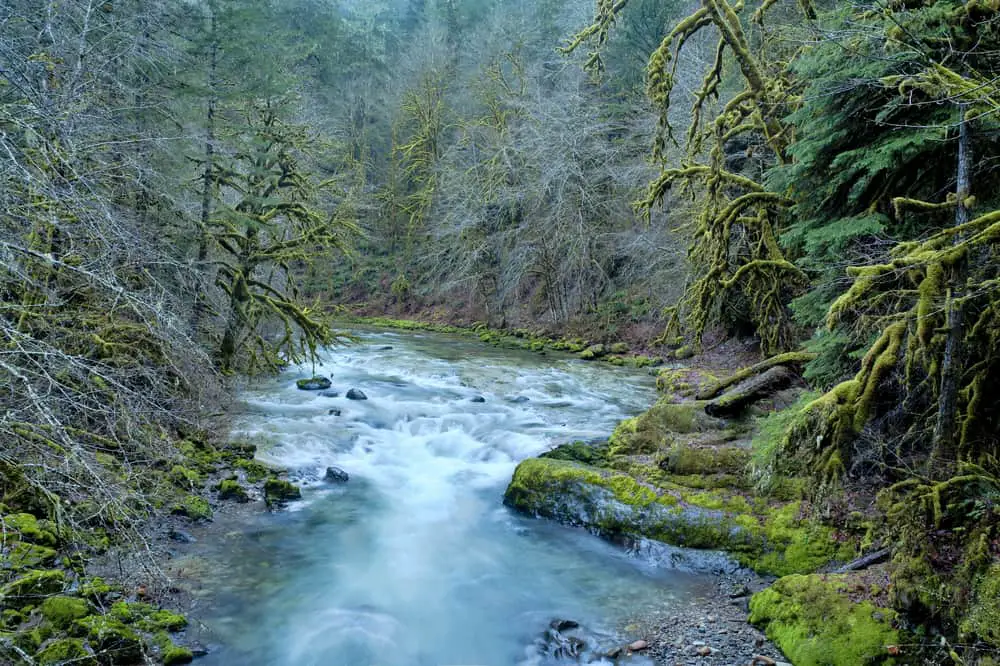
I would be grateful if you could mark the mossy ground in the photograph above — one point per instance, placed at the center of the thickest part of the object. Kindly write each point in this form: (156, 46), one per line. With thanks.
(816, 622)
(54, 613)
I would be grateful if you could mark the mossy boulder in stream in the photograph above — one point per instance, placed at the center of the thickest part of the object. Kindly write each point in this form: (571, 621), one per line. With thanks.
(313, 384)
(814, 621)
(768, 537)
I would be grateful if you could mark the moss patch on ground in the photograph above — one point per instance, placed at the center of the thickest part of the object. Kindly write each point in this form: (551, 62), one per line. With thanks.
(814, 621)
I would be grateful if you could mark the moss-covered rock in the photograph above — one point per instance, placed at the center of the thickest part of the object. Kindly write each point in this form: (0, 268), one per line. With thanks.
(770, 538)
(658, 427)
(194, 507)
(277, 491)
(29, 529)
(592, 352)
(185, 478)
(62, 612)
(682, 382)
(589, 453)
(33, 584)
(685, 458)
(313, 384)
(22, 555)
(230, 489)
(118, 643)
(147, 617)
(65, 651)
(816, 623)
(254, 469)
(618, 348)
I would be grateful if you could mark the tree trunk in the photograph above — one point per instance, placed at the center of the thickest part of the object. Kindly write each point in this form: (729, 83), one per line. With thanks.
(201, 297)
(945, 452)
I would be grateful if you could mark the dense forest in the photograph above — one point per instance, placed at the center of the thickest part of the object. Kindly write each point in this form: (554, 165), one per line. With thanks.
(194, 192)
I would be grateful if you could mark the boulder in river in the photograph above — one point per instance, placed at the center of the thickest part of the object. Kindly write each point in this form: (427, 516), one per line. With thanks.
(356, 394)
(316, 383)
(336, 475)
(334, 412)
(477, 398)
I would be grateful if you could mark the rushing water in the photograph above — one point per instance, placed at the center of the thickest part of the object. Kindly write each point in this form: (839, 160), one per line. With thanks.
(415, 562)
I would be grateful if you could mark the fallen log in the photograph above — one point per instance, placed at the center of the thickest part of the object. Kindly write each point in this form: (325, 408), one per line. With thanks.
(789, 358)
(735, 400)
(866, 561)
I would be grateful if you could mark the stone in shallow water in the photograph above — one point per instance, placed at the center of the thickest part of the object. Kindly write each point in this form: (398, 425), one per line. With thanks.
(334, 412)
(336, 475)
(356, 394)
(315, 384)
(329, 394)
(477, 398)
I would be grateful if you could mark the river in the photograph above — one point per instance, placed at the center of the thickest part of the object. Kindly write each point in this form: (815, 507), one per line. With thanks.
(415, 561)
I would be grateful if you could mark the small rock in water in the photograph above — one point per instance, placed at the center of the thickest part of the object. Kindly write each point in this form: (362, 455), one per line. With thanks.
(181, 536)
(704, 651)
(385, 348)
(518, 400)
(336, 475)
(636, 646)
(315, 384)
(477, 398)
(564, 625)
(334, 412)
(356, 394)
(329, 394)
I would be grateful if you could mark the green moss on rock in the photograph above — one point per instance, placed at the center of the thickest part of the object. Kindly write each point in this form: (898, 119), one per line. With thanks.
(63, 611)
(65, 651)
(815, 623)
(109, 634)
(34, 584)
(28, 556)
(279, 490)
(772, 539)
(185, 478)
(30, 529)
(230, 489)
(194, 507)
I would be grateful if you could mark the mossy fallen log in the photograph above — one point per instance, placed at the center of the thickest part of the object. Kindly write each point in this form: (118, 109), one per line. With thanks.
(790, 358)
(732, 402)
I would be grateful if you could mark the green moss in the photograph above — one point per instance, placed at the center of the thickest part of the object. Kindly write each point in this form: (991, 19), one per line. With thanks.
(592, 352)
(656, 428)
(94, 588)
(30, 529)
(584, 452)
(11, 618)
(107, 633)
(795, 543)
(815, 623)
(230, 489)
(683, 353)
(194, 507)
(255, 470)
(147, 617)
(279, 490)
(683, 458)
(34, 584)
(983, 617)
(618, 348)
(185, 478)
(65, 651)
(770, 539)
(63, 611)
(29, 556)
